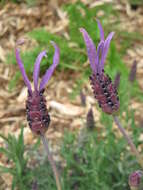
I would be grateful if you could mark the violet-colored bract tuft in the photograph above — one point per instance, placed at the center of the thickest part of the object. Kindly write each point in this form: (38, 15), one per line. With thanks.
(104, 90)
(36, 71)
(37, 113)
(97, 59)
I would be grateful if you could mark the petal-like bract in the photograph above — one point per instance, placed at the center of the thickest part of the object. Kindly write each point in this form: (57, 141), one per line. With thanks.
(21, 67)
(50, 71)
(106, 47)
(101, 30)
(99, 56)
(97, 59)
(37, 69)
(91, 49)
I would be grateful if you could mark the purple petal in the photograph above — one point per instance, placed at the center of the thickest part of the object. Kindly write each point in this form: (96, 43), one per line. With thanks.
(50, 71)
(21, 67)
(99, 56)
(37, 69)
(91, 49)
(101, 30)
(105, 49)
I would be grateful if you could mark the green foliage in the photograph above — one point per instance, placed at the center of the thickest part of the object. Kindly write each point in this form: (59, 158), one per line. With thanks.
(70, 58)
(80, 16)
(96, 162)
(14, 151)
(136, 2)
(31, 2)
(94, 158)
(43, 175)
(127, 39)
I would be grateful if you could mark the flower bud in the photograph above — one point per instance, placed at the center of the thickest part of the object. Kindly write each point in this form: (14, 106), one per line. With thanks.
(83, 98)
(135, 180)
(90, 123)
(132, 75)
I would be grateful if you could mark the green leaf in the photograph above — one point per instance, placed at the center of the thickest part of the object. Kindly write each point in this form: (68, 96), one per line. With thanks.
(7, 170)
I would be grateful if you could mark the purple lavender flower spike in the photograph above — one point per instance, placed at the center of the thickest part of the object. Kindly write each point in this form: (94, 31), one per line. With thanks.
(36, 110)
(91, 49)
(37, 69)
(103, 88)
(21, 67)
(50, 71)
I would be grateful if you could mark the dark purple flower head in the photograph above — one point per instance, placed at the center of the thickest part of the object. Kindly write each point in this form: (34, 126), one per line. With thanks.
(37, 113)
(136, 180)
(104, 90)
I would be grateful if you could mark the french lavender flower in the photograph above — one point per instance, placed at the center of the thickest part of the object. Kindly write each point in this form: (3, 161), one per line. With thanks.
(37, 113)
(104, 90)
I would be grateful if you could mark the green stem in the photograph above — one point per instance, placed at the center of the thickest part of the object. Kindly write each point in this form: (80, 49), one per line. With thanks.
(129, 140)
(52, 163)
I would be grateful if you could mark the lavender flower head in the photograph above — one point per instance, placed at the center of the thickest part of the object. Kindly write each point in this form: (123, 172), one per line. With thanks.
(90, 123)
(136, 180)
(103, 88)
(37, 113)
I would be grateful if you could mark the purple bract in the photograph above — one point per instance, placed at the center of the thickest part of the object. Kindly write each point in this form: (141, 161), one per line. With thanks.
(36, 71)
(97, 59)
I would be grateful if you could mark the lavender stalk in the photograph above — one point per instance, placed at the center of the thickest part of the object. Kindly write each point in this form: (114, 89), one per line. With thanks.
(52, 163)
(129, 140)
